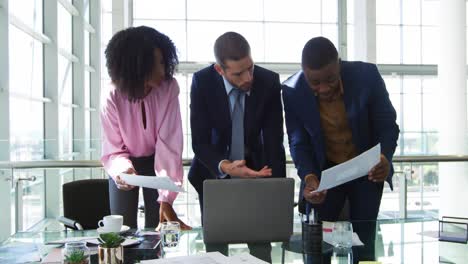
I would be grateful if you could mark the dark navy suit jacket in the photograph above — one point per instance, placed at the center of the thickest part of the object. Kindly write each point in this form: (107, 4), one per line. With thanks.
(210, 121)
(370, 113)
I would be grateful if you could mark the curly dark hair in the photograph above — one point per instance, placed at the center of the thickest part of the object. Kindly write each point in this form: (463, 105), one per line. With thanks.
(130, 58)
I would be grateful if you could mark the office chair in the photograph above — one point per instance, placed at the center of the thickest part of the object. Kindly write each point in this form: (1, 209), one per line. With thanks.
(85, 202)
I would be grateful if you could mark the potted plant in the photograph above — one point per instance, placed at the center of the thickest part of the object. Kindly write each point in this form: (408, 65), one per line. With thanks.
(76, 257)
(110, 250)
(75, 253)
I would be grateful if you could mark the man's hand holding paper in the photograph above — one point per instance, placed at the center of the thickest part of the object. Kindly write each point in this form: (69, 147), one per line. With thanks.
(311, 184)
(379, 172)
(370, 162)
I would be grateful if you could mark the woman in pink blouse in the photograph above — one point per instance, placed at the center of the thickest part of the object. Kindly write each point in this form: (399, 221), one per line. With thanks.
(141, 123)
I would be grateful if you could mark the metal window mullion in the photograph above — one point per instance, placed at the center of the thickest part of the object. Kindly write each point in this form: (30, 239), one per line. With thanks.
(89, 68)
(95, 77)
(78, 92)
(69, 7)
(67, 55)
(52, 181)
(28, 30)
(88, 27)
(30, 98)
(343, 29)
(402, 51)
(5, 176)
(70, 105)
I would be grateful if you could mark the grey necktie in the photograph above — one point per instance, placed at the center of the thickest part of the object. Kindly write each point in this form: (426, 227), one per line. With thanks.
(237, 132)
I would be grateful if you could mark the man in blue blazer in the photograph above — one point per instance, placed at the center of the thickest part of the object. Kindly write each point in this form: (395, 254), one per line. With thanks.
(236, 118)
(334, 111)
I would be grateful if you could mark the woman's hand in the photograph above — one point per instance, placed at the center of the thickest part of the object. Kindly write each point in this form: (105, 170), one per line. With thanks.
(121, 184)
(167, 213)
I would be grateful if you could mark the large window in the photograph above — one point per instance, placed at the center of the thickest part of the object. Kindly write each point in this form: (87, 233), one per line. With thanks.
(267, 25)
(276, 31)
(407, 33)
(43, 79)
(26, 119)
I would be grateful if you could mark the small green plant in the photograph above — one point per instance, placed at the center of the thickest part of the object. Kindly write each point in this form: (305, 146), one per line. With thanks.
(110, 240)
(76, 257)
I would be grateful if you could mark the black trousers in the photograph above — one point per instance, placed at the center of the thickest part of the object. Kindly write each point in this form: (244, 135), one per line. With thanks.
(364, 202)
(125, 203)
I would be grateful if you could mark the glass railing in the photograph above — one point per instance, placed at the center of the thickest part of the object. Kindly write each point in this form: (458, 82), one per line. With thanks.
(35, 189)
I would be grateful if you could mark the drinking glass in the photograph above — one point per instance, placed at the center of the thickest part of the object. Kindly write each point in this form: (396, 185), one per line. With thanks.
(170, 232)
(342, 234)
(342, 255)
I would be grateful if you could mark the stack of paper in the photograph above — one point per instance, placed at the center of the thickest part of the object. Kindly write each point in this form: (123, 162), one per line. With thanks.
(208, 258)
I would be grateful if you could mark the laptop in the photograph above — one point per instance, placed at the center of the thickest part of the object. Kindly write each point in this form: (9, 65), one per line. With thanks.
(248, 210)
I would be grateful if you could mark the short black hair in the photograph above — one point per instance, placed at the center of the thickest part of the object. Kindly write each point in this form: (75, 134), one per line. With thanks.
(318, 52)
(130, 58)
(230, 46)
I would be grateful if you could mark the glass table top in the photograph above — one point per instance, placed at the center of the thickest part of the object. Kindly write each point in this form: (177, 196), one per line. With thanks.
(397, 241)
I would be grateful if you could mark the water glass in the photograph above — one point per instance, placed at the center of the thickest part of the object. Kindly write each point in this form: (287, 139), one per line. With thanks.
(342, 255)
(170, 232)
(342, 234)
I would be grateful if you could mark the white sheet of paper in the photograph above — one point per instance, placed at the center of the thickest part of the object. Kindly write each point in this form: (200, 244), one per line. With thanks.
(127, 242)
(349, 170)
(245, 258)
(54, 256)
(153, 182)
(71, 239)
(205, 258)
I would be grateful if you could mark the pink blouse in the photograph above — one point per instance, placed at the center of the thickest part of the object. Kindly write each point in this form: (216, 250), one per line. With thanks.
(124, 135)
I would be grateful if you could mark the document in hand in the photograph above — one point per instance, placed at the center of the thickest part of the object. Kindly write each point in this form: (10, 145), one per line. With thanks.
(153, 182)
(349, 170)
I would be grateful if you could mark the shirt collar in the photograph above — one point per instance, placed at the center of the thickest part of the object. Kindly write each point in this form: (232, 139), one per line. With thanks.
(228, 86)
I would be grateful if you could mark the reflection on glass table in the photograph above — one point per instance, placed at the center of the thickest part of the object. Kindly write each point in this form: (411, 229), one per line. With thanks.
(396, 241)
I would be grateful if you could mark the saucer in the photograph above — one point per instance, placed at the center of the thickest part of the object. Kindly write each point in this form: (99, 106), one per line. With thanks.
(123, 229)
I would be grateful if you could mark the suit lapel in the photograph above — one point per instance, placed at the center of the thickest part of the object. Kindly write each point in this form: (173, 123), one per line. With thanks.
(351, 105)
(221, 102)
(309, 106)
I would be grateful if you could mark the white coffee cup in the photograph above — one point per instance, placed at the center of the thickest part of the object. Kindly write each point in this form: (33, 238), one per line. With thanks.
(111, 223)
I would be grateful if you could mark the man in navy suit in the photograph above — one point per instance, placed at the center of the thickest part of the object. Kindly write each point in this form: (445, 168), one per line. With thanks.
(236, 120)
(334, 111)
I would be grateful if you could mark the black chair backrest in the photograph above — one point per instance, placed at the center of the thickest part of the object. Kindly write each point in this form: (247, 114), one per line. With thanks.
(86, 201)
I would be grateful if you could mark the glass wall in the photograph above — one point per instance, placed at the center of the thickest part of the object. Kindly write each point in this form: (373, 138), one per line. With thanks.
(32, 65)
(406, 35)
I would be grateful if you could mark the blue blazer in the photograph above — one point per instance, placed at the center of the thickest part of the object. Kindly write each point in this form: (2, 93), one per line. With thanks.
(370, 114)
(210, 121)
